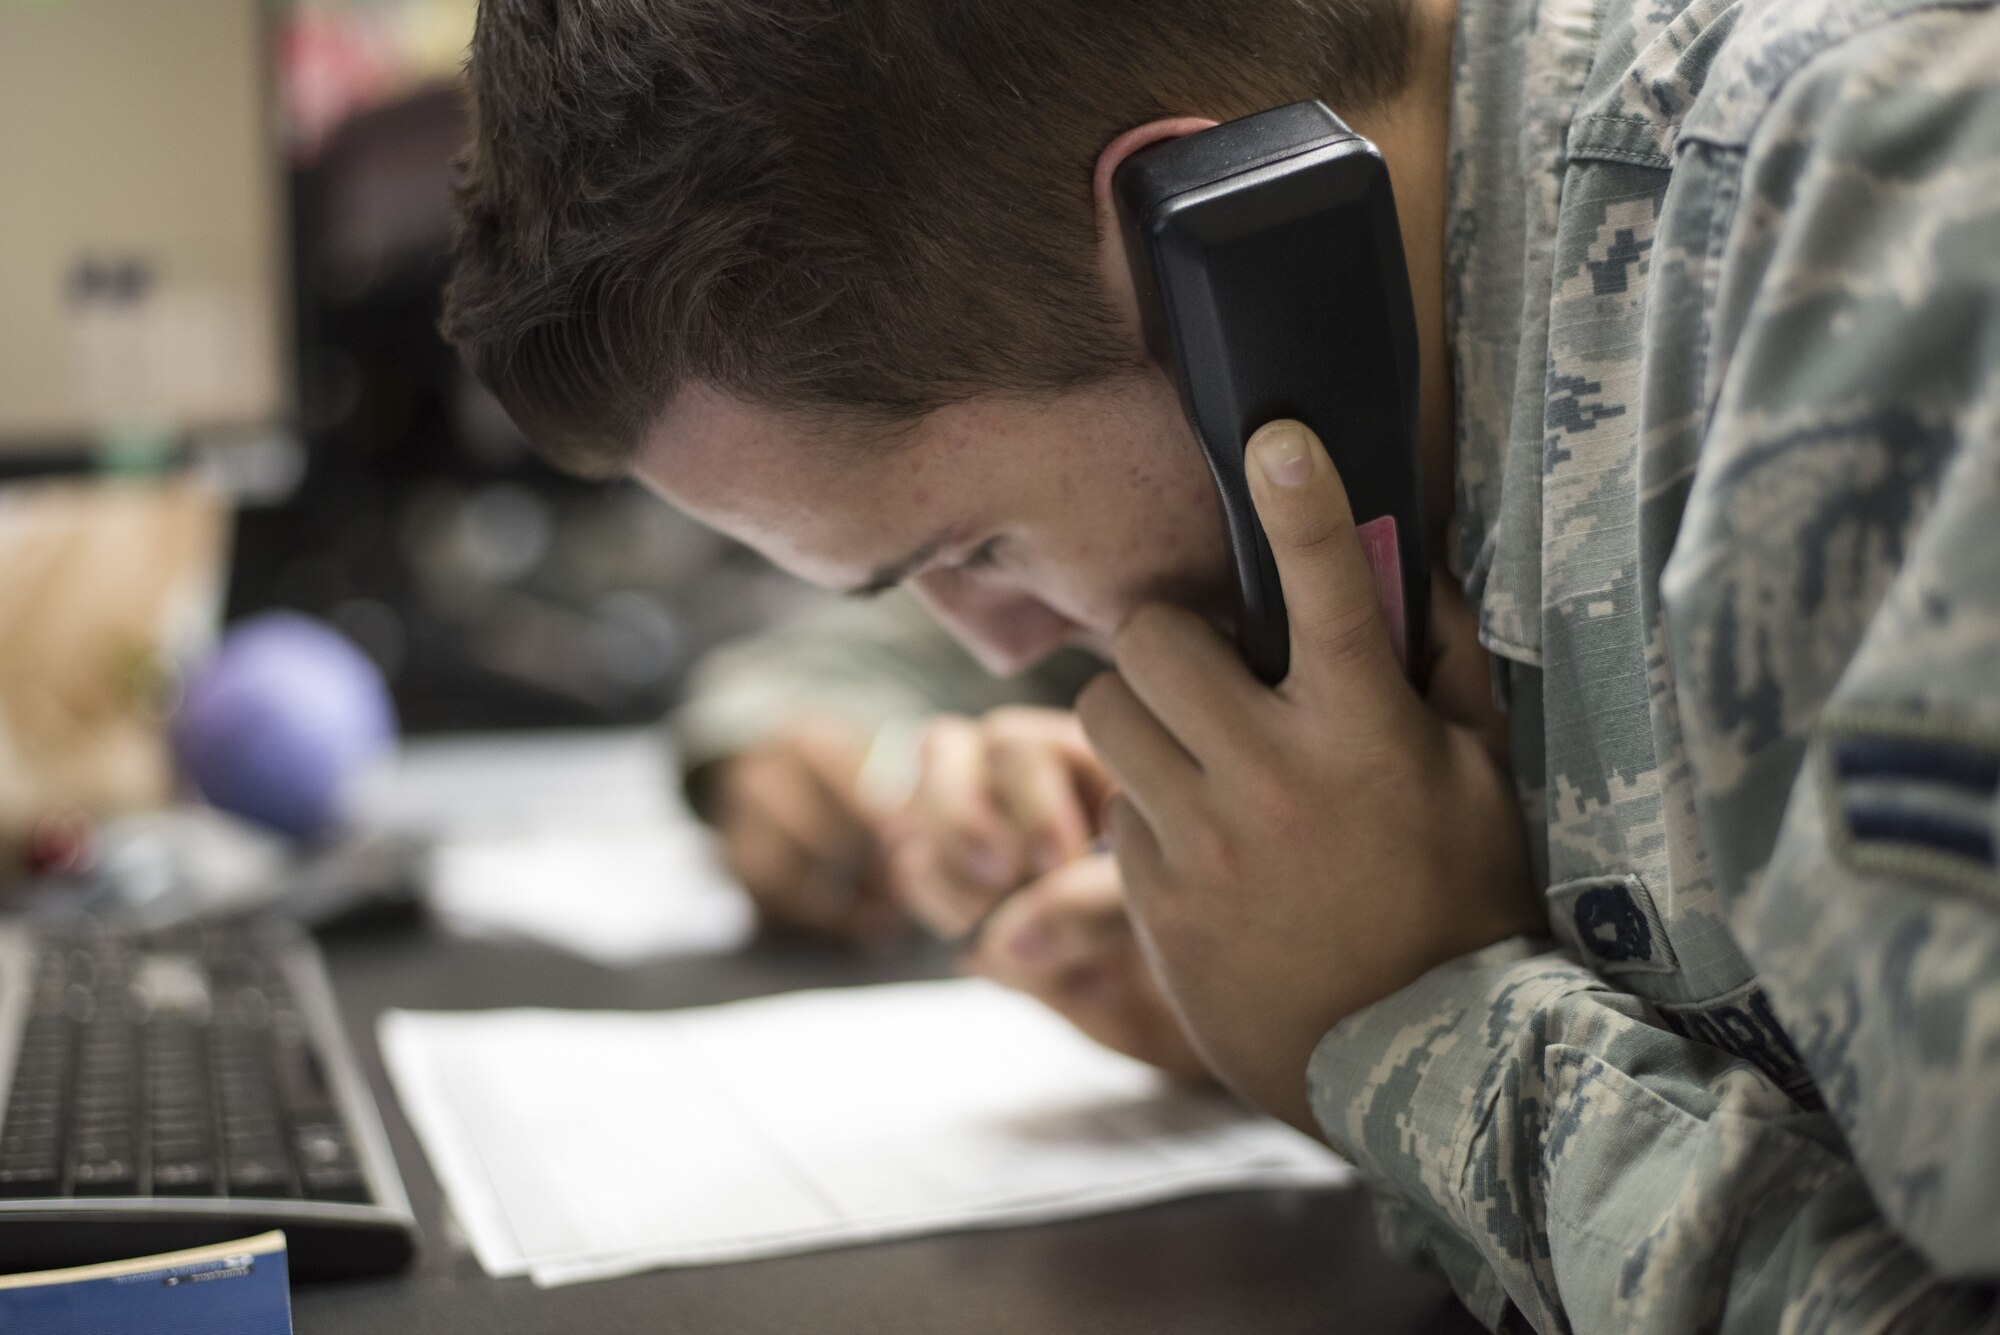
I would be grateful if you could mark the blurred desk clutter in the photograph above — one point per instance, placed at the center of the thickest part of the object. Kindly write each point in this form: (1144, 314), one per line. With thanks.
(108, 585)
(578, 840)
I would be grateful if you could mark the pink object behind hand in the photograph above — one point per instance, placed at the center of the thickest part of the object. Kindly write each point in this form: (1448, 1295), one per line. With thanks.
(1378, 544)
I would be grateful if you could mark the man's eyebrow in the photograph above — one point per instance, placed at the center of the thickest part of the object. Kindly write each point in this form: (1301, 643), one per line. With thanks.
(889, 576)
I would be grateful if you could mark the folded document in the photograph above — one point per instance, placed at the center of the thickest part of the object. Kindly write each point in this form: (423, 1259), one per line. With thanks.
(579, 1145)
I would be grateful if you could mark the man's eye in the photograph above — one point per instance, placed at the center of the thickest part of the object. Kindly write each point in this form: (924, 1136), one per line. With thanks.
(981, 557)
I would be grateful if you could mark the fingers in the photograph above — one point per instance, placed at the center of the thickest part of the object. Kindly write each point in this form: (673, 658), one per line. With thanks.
(1156, 774)
(1460, 683)
(1035, 778)
(956, 806)
(776, 787)
(1190, 679)
(834, 754)
(957, 854)
(788, 836)
(934, 891)
(1066, 940)
(1331, 598)
(999, 801)
(1066, 919)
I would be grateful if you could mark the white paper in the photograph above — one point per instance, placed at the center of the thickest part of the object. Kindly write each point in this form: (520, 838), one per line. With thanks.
(614, 898)
(516, 784)
(579, 841)
(579, 1145)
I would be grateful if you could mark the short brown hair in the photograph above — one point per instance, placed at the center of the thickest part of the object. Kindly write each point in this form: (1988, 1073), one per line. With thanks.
(869, 207)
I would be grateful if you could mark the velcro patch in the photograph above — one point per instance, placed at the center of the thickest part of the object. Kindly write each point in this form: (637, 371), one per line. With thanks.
(1613, 924)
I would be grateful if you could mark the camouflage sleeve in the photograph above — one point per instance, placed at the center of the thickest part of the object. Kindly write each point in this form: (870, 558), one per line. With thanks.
(1572, 1164)
(1835, 606)
(867, 663)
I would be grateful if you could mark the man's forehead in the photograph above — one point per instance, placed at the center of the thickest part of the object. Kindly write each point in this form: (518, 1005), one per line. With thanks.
(820, 504)
(731, 425)
(700, 420)
(712, 453)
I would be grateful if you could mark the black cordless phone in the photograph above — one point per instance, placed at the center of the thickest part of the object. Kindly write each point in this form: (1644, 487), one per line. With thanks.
(1270, 273)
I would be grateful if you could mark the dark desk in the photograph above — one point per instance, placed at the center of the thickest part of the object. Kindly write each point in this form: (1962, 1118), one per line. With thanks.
(1267, 1262)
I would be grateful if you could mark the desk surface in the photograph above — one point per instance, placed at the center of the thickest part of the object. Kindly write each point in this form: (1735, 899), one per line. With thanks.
(1268, 1262)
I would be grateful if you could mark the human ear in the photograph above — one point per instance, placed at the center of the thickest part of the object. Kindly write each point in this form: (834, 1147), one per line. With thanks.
(1113, 271)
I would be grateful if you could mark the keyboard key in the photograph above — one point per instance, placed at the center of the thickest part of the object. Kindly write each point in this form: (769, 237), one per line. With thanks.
(190, 1177)
(179, 1126)
(27, 1137)
(260, 1177)
(169, 1149)
(45, 1154)
(31, 1180)
(323, 1146)
(105, 1177)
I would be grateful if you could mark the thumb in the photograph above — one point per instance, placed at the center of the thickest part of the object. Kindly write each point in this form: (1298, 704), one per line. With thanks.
(1332, 599)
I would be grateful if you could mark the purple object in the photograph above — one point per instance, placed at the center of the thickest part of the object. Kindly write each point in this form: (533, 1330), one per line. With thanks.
(278, 724)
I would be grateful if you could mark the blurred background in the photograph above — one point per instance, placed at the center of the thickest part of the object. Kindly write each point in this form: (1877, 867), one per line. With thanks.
(222, 243)
(223, 235)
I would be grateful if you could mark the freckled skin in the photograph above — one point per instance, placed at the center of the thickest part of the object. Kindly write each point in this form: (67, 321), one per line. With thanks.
(1100, 500)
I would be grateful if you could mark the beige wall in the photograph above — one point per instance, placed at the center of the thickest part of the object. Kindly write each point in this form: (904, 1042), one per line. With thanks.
(137, 128)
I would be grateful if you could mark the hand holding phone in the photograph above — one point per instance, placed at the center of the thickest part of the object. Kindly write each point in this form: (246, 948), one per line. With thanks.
(1291, 855)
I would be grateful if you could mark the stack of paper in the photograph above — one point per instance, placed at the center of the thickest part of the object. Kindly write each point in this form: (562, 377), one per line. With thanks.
(615, 897)
(576, 1145)
(577, 840)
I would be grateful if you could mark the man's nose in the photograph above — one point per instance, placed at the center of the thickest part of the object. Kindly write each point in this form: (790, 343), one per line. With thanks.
(1006, 630)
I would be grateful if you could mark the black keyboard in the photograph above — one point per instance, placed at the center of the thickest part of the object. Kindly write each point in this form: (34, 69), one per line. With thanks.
(185, 1087)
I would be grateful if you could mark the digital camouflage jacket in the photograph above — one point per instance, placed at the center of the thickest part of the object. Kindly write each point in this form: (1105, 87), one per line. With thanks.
(1726, 320)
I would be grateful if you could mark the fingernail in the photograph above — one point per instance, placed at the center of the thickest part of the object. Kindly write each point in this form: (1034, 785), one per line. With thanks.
(1284, 453)
(1031, 944)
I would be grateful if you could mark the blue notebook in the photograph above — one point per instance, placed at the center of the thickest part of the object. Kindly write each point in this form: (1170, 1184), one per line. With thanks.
(231, 1288)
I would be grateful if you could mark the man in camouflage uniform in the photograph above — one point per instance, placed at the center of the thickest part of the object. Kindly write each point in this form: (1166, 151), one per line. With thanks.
(1728, 508)
(1724, 290)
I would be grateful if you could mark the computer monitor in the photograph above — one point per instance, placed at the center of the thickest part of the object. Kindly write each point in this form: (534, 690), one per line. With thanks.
(141, 226)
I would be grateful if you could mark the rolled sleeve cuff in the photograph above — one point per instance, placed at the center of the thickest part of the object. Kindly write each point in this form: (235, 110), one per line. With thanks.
(1405, 1088)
